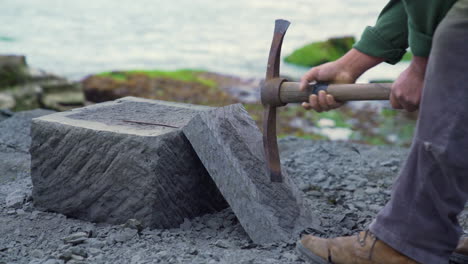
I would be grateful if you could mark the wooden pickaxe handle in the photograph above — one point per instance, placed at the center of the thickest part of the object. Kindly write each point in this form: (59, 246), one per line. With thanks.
(290, 93)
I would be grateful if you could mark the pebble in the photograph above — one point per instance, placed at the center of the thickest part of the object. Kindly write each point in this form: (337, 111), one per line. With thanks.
(123, 235)
(36, 253)
(94, 251)
(11, 212)
(290, 257)
(216, 238)
(372, 190)
(16, 199)
(34, 215)
(133, 224)
(222, 244)
(53, 261)
(94, 243)
(79, 252)
(186, 225)
(76, 238)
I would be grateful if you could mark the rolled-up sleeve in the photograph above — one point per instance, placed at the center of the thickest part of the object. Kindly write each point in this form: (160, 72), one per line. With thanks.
(388, 39)
(401, 24)
(423, 18)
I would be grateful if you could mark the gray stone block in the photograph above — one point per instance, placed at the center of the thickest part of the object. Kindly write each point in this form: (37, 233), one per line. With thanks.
(230, 147)
(119, 160)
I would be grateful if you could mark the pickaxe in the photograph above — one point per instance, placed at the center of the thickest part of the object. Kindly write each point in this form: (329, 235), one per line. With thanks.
(277, 92)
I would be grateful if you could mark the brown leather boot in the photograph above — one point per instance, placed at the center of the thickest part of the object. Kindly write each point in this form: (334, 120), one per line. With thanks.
(460, 255)
(364, 248)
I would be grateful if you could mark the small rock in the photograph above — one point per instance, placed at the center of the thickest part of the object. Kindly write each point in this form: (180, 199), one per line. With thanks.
(76, 238)
(186, 225)
(37, 254)
(389, 163)
(136, 259)
(335, 170)
(214, 223)
(66, 255)
(95, 243)
(77, 257)
(222, 244)
(11, 212)
(360, 205)
(79, 252)
(34, 215)
(133, 224)
(16, 199)
(123, 235)
(370, 190)
(162, 254)
(53, 261)
(290, 257)
(320, 176)
(94, 251)
(305, 187)
(20, 212)
(192, 251)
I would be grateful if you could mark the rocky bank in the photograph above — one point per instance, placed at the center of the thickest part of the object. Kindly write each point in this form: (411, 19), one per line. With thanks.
(345, 183)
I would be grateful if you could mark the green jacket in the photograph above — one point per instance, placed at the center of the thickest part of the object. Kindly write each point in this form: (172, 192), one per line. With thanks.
(404, 23)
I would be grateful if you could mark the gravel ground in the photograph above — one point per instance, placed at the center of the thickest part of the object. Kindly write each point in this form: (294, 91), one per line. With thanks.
(346, 183)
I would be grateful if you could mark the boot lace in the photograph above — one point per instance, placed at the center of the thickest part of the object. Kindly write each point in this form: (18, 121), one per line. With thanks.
(362, 241)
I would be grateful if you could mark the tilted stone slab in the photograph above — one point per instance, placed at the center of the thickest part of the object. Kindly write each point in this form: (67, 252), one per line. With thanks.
(230, 146)
(119, 160)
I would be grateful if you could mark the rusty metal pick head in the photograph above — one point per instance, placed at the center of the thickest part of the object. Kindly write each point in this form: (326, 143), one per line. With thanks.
(274, 58)
(271, 100)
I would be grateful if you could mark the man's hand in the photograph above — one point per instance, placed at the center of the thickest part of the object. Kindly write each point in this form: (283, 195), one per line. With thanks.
(344, 70)
(407, 89)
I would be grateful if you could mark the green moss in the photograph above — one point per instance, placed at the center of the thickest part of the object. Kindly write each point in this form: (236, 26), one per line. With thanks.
(381, 81)
(320, 52)
(408, 56)
(186, 75)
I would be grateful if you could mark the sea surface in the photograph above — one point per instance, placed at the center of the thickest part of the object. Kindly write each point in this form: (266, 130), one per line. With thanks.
(78, 38)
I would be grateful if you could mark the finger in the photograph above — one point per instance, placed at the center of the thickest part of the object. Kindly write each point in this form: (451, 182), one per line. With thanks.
(322, 100)
(306, 106)
(313, 101)
(394, 102)
(307, 78)
(332, 102)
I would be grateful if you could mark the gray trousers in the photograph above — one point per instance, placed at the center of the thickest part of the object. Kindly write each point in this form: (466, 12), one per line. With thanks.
(420, 220)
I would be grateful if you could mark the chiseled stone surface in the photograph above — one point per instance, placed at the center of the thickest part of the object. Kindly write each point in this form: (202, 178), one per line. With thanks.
(230, 147)
(120, 160)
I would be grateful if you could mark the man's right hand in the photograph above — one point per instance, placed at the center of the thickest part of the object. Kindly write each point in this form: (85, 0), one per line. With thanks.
(344, 70)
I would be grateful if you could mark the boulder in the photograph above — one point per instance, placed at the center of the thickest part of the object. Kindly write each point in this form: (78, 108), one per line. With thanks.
(121, 160)
(12, 70)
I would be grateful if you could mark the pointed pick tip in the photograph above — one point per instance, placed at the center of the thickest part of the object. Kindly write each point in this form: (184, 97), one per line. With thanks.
(276, 176)
(281, 25)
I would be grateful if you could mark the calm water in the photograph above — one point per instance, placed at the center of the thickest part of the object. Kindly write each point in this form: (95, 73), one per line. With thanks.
(76, 38)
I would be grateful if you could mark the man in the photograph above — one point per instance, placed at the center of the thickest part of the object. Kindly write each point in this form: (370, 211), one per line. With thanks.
(419, 223)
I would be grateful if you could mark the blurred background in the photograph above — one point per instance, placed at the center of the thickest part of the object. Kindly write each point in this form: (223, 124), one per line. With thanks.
(110, 48)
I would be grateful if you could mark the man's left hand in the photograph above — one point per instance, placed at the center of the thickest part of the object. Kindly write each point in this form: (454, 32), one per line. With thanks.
(407, 89)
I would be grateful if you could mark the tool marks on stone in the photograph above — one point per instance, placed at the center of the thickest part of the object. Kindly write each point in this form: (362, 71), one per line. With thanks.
(230, 147)
(114, 175)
